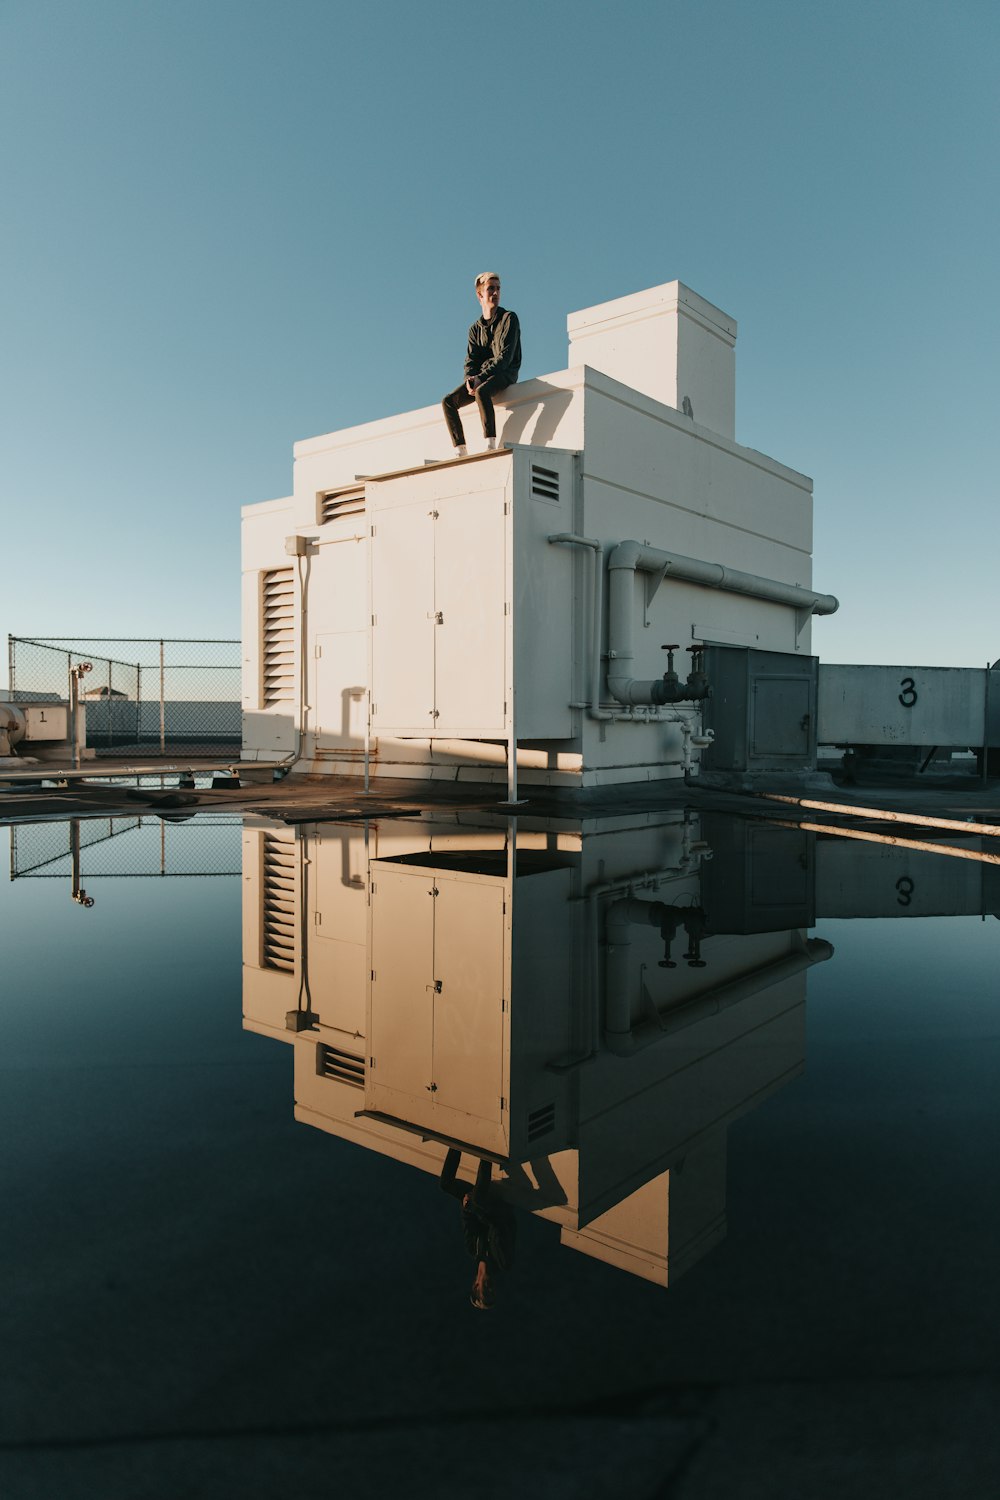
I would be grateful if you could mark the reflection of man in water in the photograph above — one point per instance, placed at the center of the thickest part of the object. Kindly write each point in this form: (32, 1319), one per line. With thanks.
(487, 1223)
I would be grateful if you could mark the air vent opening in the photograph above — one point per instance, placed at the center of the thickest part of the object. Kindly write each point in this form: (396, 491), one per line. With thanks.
(541, 1121)
(344, 1067)
(279, 904)
(544, 483)
(278, 623)
(338, 503)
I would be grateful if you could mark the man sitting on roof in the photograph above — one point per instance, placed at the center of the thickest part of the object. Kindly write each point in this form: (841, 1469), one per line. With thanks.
(492, 361)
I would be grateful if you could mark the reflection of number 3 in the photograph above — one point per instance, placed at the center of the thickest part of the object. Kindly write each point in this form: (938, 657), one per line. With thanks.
(904, 886)
(909, 694)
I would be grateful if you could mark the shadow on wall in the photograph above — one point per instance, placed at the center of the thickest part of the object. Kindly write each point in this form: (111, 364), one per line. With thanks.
(534, 413)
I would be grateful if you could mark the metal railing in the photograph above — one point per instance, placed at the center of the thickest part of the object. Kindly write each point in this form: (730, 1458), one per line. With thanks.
(134, 847)
(145, 696)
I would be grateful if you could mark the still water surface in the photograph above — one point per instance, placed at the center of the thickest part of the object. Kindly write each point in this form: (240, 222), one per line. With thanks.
(772, 1163)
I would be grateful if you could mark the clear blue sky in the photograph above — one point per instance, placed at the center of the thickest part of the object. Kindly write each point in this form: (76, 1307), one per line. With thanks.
(230, 224)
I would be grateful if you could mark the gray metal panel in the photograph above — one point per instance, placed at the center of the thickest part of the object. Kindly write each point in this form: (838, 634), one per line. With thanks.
(762, 709)
(866, 705)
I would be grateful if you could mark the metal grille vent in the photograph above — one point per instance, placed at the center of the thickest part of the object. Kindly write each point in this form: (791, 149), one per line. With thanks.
(341, 503)
(544, 483)
(541, 1122)
(279, 904)
(279, 636)
(343, 1066)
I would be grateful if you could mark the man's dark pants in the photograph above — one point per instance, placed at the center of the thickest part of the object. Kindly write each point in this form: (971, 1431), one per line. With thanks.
(460, 397)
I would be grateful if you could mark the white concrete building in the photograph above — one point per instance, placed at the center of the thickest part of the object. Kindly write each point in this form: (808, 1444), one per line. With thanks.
(463, 618)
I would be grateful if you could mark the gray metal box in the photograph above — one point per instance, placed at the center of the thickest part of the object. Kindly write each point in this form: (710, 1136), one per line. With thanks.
(762, 710)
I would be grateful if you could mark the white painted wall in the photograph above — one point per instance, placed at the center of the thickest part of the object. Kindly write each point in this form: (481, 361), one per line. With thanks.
(667, 342)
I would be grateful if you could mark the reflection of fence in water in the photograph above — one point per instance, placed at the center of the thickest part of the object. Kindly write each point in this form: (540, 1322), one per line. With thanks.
(126, 846)
(156, 696)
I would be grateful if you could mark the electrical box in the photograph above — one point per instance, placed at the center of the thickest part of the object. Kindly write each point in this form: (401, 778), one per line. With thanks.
(762, 710)
(443, 1055)
(471, 606)
(45, 721)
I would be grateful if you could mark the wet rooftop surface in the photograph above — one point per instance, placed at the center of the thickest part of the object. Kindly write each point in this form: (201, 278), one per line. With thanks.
(208, 1296)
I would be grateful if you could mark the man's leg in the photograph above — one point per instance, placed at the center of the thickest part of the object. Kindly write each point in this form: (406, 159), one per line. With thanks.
(448, 1174)
(484, 400)
(484, 1174)
(456, 398)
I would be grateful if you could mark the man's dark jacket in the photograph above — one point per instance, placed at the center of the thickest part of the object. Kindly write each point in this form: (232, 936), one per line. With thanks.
(495, 349)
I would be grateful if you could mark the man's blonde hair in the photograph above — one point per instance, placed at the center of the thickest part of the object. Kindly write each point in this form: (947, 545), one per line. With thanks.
(485, 276)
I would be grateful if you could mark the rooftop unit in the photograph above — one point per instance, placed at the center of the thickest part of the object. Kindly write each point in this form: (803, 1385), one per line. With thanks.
(504, 615)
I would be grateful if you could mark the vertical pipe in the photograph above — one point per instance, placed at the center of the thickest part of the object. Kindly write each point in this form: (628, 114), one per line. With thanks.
(74, 850)
(986, 725)
(368, 741)
(74, 710)
(163, 716)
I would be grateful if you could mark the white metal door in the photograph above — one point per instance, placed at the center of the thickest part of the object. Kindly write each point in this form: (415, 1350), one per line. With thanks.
(401, 1013)
(341, 700)
(469, 597)
(402, 632)
(468, 1058)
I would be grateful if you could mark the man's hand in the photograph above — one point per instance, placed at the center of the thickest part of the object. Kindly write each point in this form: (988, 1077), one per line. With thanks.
(472, 384)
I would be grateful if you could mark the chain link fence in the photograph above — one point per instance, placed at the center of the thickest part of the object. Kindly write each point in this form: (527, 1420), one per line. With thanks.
(147, 697)
(84, 849)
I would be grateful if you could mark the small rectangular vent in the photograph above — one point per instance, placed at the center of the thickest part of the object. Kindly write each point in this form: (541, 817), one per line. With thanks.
(541, 1122)
(343, 1066)
(544, 483)
(279, 904)
(340, 503)
(279, 636)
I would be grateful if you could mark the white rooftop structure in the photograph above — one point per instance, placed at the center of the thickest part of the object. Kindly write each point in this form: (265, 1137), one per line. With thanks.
(501, 616)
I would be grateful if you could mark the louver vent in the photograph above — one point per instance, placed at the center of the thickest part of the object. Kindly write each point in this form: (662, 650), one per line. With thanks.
(279, 636)
(279, 904)
(344, 1066)
(541, 1122)
(544, 483)
(341, 503)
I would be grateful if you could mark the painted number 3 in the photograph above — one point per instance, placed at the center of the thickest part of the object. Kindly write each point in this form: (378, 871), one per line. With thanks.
(909, 694)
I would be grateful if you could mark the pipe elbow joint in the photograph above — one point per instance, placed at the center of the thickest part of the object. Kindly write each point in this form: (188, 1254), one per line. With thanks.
(626, 555)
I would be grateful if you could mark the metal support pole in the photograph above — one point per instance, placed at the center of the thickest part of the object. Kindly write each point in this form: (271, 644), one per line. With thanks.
(163, 717)
(986, 725)
(74, 710)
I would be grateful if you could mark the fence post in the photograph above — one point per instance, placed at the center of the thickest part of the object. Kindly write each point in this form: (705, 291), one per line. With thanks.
(10, 664)
(163, 717)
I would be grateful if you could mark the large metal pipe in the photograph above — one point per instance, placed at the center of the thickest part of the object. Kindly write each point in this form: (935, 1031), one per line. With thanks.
(624, 1038)
(570, 538)
(629, 558)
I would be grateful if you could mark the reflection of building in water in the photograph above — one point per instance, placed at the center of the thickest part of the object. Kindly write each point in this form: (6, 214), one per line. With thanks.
(591, 1011)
